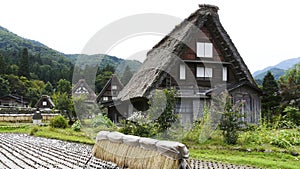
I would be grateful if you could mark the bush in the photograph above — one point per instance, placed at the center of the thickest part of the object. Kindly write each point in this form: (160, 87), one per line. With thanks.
(293, 114)
(139, 129)
(230, 123)
(58, 122)
(102, 120)
(76, 126)
(201, 129)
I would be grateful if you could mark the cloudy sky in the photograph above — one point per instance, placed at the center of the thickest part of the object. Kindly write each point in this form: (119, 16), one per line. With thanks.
(264, 32)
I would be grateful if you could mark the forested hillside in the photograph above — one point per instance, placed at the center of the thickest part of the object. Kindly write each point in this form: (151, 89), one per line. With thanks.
(28, 68)
(45, 64)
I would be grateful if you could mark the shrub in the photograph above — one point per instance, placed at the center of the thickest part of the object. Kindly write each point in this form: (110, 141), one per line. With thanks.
(102, 120)
(58, 122)
(293, 114)
(201, 129)
(76, 126)
(139, 129)
(230, 123)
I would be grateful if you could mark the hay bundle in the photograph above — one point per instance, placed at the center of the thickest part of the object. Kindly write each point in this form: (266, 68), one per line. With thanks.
(140, 153)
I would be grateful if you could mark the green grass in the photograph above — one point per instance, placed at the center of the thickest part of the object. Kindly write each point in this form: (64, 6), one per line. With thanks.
(212, 150)
(215, 149)
(64, 134)
(257, 159)
(47, 132)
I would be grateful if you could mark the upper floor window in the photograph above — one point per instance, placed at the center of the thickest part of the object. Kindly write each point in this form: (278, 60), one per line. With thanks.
(182, 72)
(204, 72)
(114, 87)
(225, 74)
(204, 49)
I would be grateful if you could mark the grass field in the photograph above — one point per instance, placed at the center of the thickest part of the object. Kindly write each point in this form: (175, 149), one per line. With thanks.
(258, 155)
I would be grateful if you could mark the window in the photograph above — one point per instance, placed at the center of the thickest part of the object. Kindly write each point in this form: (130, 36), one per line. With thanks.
(204, 49)
(204, 72)
(105, 98)
(44, 103)
(114, 87)
(182, 72)
(224, 73)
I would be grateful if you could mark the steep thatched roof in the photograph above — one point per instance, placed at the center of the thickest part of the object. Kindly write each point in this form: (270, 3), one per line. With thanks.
(82, 88)
(165, 54)
(114, 80)
(45, 98)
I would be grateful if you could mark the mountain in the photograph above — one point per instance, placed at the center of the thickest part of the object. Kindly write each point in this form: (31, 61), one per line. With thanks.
(277, 70)
(47, 64)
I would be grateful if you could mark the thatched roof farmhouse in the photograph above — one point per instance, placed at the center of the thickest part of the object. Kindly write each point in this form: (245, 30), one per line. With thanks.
(196, 58)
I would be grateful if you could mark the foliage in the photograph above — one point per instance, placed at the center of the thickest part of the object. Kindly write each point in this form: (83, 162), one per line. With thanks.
(138, 128)
(4, 86)
(126, 75)
(2, 65)
(24, 68)
(198, 129)
(58, 122)
(63, 103)
(157, 119)
(292, 114)
(161, 109)
(76, 126)
(271, 98)
(45, 63)
(290, 87)
(102, 120)
(102, 77)
(230, 122)
(277, 137)
(48, 89)
(64, 86)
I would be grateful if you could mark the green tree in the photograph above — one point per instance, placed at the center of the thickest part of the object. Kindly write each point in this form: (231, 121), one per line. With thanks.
(48, 89)
(17, 85)
(271, 98)
(64, 86)
(102, 79)
(290, 87)
(293, 114)
(24, 66)
(33, 94)
(164, 102)
(2, 65)
(126, 75)
(4, 87)
(230, 121)
(63, 103)
(13, 69)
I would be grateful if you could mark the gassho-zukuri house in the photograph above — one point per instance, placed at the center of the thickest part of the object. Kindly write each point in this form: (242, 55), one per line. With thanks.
(196, 58)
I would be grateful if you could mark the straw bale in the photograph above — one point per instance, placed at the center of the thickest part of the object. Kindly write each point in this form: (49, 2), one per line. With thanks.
(172, 149)
(148, 143)
(102, 135)
(131, 140)
(115, 137)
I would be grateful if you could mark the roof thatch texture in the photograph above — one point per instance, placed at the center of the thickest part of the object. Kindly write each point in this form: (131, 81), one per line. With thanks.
(163, 55)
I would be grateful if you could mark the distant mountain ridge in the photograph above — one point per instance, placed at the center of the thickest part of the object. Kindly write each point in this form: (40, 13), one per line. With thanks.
(45, 62)
(277, 70)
